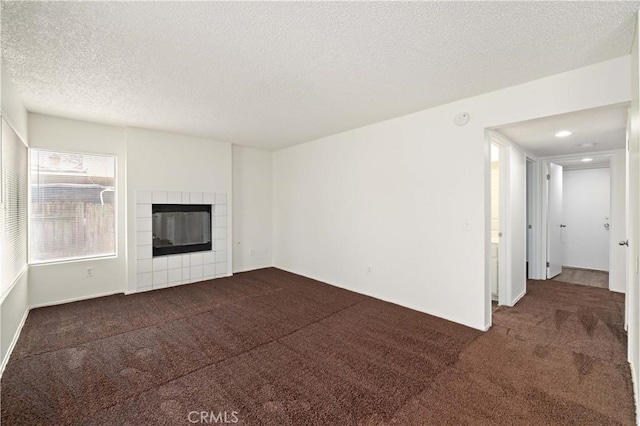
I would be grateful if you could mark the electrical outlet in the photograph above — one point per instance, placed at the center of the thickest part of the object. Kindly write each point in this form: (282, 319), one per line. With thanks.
(252, 252)
(89, 272)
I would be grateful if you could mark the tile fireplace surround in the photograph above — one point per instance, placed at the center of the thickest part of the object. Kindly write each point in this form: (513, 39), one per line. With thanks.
(176, 269)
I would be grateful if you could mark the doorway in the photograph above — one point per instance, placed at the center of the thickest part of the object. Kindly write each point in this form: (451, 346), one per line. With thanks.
(505, 223)
(558, 145)
(579, 221)
(496, 232)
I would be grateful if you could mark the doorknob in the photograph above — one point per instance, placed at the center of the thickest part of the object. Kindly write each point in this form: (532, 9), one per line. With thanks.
(624, 243)
(606, 225)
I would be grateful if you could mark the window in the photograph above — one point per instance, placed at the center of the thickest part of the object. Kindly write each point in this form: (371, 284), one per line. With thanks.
(73, 212)
(13, 211)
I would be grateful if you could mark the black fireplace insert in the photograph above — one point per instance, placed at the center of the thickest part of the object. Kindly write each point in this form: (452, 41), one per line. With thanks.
(181, 228)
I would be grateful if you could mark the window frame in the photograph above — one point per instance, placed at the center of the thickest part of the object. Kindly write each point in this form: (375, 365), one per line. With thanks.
(116, 222)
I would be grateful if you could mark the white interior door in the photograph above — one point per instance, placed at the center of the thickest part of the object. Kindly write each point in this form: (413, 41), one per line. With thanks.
(586, 212)
(530, 217)
(554, 221)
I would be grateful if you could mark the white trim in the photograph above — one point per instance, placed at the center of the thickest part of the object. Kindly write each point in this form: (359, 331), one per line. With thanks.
(136, 291)
(584, 267)
(378, 297)
(504, 248)
(72, 260)
(75, 299)
(532, 207)
(16, 335)
(487, 299)
(253, 269)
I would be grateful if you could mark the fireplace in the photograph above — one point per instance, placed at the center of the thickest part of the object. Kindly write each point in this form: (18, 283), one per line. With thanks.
(181, 228)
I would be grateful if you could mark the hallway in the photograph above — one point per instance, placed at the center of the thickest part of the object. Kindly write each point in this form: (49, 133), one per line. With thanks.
(588, 277)
(565, 345)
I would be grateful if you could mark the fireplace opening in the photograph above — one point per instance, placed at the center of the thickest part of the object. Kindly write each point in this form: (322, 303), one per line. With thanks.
(181, 228)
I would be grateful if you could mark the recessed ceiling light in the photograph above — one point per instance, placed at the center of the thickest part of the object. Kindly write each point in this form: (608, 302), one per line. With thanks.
(586, 160)
(563, 134)
(587, 145)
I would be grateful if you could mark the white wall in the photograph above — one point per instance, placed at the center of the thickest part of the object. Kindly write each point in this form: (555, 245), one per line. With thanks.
(170, 162)
(396, 195)
(14, 304)
(147, 160)
(252, 209)
(13, 311)
(585, 209)
(64, 281)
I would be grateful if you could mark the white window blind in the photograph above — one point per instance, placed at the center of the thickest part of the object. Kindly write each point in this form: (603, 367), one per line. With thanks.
(13, 249)
(73, 213)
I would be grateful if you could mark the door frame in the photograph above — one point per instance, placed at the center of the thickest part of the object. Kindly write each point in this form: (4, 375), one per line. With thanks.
(510, 163)
(494, 138)
(547, 184)
(534, 200)
(543, 210)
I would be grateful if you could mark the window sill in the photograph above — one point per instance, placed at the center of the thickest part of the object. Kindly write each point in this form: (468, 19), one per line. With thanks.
(73, 260)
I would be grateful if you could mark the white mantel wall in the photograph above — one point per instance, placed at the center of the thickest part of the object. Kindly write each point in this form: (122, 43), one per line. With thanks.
(159, 161)
(147, 160)
(395, 195)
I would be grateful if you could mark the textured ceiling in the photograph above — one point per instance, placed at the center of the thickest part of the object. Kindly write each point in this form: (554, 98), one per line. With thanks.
(605, 128)
(274, 74)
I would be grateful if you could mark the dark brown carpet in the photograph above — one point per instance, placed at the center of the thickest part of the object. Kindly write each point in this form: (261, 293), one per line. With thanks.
(280, 349)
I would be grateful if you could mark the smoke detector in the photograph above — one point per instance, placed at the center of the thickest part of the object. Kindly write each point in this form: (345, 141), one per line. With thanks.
(461, 119)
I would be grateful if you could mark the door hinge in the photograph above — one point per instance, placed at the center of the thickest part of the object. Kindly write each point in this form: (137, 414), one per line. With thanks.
(548, 177)
(548, 264)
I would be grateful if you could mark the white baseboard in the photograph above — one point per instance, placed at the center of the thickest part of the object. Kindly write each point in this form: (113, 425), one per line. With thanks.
(13, 341)
(518, 297)
(384, 299)
(586, 268)
(635, 389)
(76, 299)
(254, 269)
